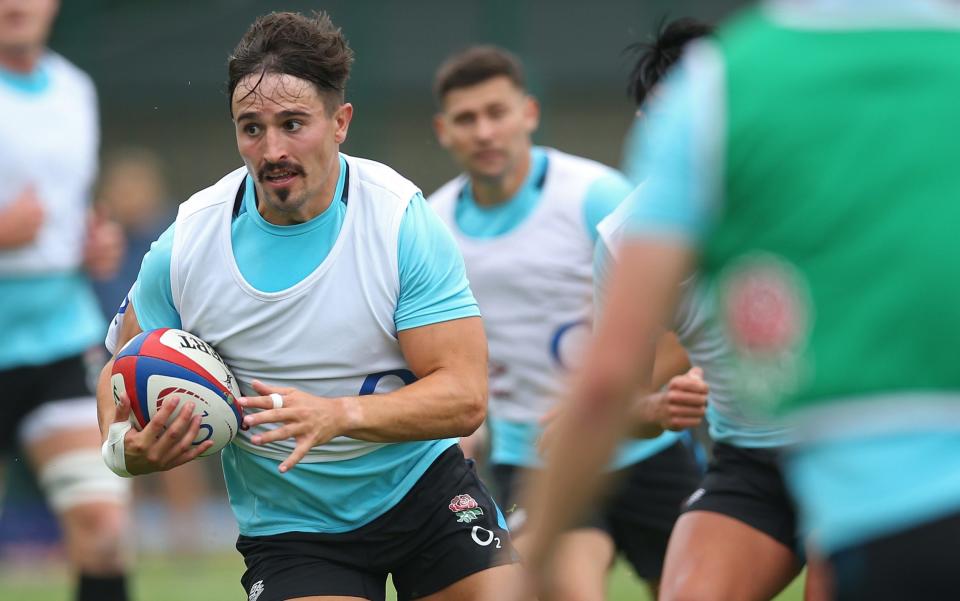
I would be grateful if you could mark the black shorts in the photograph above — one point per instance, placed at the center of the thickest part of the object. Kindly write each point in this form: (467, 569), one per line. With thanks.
(26, 388)
(747, 485)
(638, 512)
(445, 529)
(919, 563)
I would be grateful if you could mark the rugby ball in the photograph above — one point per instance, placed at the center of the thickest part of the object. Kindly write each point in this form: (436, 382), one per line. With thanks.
(166, 362)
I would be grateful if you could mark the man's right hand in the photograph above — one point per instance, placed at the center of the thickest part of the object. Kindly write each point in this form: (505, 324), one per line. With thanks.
(20, 221)
(158, 448)
(684, 402)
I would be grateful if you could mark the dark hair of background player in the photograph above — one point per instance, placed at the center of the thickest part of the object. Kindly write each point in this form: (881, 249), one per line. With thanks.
(656, 56)
(476, 65)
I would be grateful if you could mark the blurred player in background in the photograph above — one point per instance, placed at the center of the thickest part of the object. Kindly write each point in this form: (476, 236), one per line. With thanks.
(49, 246)
(340, 302)
(789, 195)
(133, 193)
(525, 219)
(738, 537)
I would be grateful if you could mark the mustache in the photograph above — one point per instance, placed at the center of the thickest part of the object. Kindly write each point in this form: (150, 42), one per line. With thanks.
(269, 168)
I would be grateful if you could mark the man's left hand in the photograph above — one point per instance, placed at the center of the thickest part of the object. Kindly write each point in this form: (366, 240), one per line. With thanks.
(308, 419)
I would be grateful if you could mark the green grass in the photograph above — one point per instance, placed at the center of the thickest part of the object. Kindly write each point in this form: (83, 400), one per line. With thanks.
(217, 578)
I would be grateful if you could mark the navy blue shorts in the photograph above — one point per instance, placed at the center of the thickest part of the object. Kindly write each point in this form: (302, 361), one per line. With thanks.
(445, 529)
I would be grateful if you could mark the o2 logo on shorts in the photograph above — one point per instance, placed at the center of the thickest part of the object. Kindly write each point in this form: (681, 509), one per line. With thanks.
(484, 537)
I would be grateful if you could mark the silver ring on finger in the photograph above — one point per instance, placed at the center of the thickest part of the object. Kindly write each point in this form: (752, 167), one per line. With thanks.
(277, 400)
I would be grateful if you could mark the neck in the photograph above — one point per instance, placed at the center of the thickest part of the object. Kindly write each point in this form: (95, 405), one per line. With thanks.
(20, 60)
(489, 192)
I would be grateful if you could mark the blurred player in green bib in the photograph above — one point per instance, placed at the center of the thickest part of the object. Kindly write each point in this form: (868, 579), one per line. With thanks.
(805, 161)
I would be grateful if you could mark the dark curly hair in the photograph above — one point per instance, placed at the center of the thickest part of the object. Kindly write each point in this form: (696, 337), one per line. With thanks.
(309, 48)
(656, 56)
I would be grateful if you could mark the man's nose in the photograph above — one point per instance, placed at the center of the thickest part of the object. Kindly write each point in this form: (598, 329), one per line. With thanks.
(485, 129)
(274, 149)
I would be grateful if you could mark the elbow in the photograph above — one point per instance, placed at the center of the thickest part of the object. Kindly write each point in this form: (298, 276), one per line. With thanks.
(473, 412)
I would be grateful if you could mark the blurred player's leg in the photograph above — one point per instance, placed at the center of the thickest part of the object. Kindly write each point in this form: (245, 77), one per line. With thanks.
(582, 561)
(62, 442)
(715, 557)
(471, 587)
(184, 492)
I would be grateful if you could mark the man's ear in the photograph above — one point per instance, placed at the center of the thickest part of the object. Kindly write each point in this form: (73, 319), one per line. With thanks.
(342, 117)
(440, 129)
(531, 113)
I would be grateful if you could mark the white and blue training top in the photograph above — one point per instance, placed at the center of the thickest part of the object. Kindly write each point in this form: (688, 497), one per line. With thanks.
(316, 306)
(49, 135)
(529, 261)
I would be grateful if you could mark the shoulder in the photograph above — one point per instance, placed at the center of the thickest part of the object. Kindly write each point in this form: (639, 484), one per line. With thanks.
(573, 166)
(611, 227)
(447, 193)
(373, 178)
(223, 191)
(66, 73)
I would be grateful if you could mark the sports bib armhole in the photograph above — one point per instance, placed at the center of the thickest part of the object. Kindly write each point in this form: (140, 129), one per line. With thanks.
(238, 198)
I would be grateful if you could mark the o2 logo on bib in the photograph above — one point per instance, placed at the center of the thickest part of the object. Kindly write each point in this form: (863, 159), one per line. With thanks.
(568, 342)
(371, 382)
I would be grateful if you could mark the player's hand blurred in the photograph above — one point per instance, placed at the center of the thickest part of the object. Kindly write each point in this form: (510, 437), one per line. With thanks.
(157, 448)
(104, 246)
(20, 221)
(684, 402)
(308, 419)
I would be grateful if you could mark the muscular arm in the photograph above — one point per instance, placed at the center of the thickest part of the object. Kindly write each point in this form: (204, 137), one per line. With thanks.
(450, 397)
(448, 400)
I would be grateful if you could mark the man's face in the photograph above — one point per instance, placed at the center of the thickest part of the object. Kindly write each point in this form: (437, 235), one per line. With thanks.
(25, 24)
(289, 142)
(487, 126)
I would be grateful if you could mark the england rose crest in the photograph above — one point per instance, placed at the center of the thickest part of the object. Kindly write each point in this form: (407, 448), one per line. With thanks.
(766, 306)
(767, 309)
(462, 502)
(465, 508)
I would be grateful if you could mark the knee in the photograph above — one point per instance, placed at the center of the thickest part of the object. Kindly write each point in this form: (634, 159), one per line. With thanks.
(95, 535)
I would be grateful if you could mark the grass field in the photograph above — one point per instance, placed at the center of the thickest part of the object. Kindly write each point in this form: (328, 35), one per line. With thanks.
(216, 578)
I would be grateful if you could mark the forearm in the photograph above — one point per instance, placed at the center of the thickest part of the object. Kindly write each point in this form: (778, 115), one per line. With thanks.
(446, 403)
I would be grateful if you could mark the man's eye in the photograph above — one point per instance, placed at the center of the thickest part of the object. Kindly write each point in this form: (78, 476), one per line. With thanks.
(251, 129)
(292, 125)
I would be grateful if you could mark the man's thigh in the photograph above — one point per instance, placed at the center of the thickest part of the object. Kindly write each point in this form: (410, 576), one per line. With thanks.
(737, 539)
(714, 556)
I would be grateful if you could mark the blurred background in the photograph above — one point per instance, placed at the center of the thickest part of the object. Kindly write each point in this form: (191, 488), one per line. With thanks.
(160, 68)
